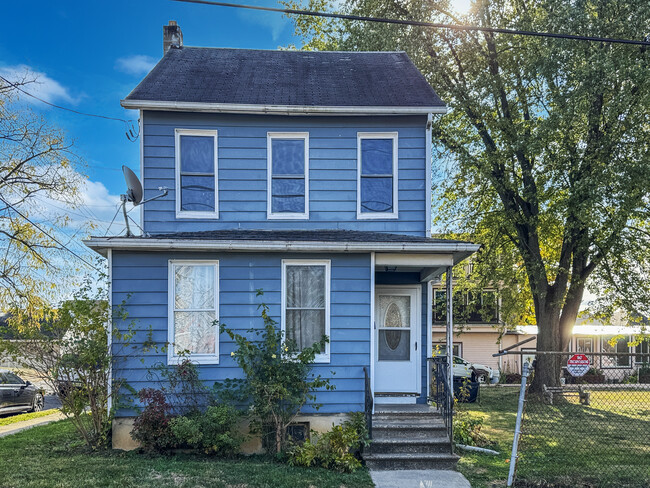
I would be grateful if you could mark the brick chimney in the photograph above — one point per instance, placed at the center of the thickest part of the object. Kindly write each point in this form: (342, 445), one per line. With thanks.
(172, 36)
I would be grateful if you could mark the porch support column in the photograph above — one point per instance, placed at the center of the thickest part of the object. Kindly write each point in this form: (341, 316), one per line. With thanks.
(450, 337)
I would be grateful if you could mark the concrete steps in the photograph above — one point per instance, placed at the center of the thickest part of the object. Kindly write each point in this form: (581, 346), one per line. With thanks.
(409, 437)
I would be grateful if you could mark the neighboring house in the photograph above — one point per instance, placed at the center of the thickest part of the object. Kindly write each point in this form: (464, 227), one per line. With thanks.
(306, 175)
(478, 337)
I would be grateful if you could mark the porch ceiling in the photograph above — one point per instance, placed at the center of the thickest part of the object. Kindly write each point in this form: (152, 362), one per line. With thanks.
(429, 266)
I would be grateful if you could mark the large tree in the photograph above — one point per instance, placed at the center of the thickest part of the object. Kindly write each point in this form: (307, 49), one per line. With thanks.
(37, 168)
(544, 154)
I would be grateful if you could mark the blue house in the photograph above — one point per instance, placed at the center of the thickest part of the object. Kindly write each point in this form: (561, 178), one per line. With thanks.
(306, 175)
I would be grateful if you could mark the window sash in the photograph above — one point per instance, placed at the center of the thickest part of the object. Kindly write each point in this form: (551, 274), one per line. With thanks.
(199, 358)
(324, 357)
(272, 176)
(213, 212)
(362, 211)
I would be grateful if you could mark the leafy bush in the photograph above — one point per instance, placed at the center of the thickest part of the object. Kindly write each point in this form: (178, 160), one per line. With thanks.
(277, 382)
(213, 431)
(66, 347)
(151, 428)
(467, 430)
(184, 391)
(335, 449)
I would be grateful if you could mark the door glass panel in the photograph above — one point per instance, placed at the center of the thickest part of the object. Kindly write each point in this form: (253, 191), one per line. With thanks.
(394, 341)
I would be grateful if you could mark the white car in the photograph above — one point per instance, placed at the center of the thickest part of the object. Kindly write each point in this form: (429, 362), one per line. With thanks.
(475, 371)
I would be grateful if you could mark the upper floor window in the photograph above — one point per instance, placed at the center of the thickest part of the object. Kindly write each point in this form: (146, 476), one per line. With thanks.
(306, 303)
(377, 175)
(288, 175)
(196, 174)
(193, 310)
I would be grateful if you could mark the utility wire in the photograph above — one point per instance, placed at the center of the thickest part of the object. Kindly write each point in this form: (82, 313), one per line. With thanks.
(290, 11)
(130, 124)
(50, 236)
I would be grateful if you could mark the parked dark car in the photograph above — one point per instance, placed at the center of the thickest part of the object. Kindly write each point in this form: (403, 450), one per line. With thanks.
(17, 395)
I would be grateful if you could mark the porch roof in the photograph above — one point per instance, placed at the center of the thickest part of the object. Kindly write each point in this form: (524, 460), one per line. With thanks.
(245, 240)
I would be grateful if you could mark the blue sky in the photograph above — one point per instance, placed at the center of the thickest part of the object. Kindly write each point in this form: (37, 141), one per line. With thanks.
(88, 55)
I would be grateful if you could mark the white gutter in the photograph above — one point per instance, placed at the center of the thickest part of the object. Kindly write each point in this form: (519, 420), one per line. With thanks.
(153, 244)
(235, 108)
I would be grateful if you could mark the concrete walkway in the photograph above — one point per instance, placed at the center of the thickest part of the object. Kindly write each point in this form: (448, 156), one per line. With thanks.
(433, 478)
(6, 430)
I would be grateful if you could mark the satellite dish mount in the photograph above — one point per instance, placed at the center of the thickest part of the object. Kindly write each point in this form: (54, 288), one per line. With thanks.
(134, 195)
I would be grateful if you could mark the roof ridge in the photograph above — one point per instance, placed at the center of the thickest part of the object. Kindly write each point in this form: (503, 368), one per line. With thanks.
(288, 50)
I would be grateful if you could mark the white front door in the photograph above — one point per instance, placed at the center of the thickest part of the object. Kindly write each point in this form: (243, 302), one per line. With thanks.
(397, 337)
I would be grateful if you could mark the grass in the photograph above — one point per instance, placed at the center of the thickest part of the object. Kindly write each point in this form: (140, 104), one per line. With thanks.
(25, 416)
(605, 444)
(52, 456)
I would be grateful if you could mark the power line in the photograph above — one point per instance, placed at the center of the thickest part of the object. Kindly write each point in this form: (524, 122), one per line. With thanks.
(498, 30)
(50, 236)
(129, 123)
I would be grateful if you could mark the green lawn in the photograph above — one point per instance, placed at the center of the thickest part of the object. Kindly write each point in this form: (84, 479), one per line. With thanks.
(52, 456)
(605, 444)
(25, 416)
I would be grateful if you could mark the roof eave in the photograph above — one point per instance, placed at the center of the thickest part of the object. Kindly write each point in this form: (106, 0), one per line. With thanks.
(101, 244)
(277, 109)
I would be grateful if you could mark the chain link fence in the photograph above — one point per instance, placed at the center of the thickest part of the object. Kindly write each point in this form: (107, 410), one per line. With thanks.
(587, 434)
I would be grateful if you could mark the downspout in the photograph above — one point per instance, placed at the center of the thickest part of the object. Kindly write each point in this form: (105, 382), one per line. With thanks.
(428, 165)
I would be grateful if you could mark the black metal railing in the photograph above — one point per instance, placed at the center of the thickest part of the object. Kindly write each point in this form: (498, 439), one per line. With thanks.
(368, 402)
(439, 388)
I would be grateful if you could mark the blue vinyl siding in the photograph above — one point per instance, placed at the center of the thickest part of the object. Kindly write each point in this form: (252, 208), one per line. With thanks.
(242, 171)
(140, 281)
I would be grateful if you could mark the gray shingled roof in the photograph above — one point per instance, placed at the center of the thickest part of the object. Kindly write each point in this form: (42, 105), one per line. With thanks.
(299, 235)
(286, 78)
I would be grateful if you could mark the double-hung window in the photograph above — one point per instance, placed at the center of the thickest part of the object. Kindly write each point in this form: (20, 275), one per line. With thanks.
(288, 175)
(306, 303)
(614, 344)
(377, 175)
(193, 310)
(197, 192)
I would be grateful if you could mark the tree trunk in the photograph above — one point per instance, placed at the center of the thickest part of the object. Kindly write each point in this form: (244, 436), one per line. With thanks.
(548, 367)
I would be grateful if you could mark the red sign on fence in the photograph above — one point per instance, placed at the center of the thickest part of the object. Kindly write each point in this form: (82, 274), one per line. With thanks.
(578, 365)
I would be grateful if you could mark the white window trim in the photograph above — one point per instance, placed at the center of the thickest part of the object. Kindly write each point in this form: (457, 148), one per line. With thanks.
(320, 358)
(269, 176)
(194, 214)
(171, 285)
(378, 215)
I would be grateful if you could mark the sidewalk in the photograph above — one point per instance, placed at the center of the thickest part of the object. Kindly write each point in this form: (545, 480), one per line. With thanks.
(28, 424)
(421, 478)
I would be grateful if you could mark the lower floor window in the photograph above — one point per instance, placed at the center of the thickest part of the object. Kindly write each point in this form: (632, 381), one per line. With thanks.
(193, 300)
(620, 346)
(306, 303)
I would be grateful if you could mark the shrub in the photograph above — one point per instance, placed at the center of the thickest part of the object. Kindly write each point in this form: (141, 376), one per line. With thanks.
(151, 427)
(66, 347)
(335, 449)
(278, 380)
(213, 431)
(467, 430)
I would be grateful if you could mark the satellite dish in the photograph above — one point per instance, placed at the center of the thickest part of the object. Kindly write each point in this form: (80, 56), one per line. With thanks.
(133, 185)
(134, 195)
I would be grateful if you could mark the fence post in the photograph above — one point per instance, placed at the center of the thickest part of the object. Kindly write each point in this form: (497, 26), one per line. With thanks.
(520, 411)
